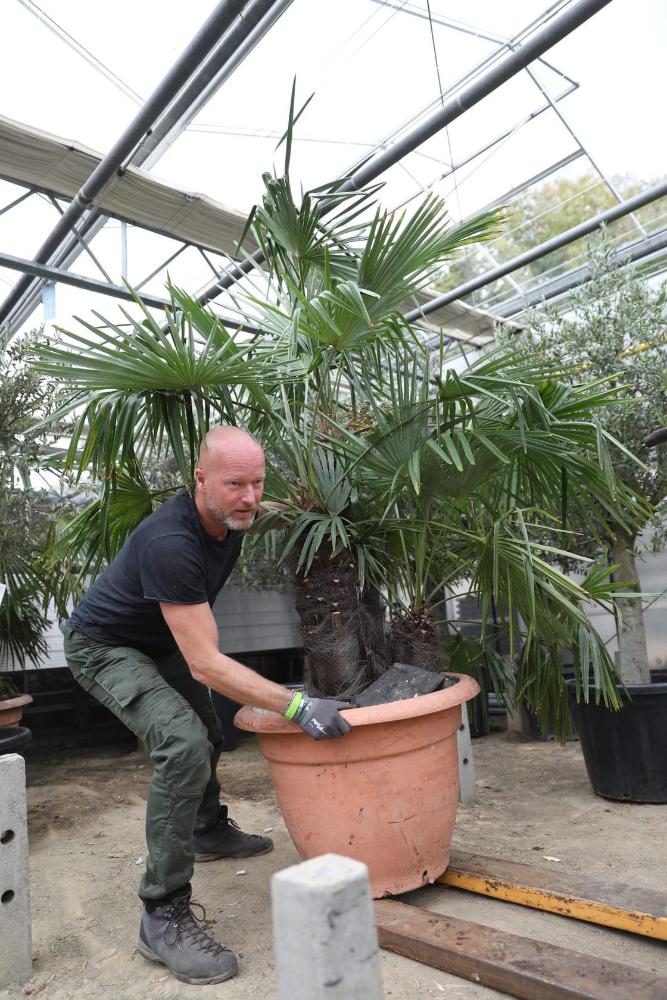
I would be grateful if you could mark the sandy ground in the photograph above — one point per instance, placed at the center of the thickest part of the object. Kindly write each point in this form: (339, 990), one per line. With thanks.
(86, 817)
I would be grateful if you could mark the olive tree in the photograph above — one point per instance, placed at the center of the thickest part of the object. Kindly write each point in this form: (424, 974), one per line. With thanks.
(613, 329)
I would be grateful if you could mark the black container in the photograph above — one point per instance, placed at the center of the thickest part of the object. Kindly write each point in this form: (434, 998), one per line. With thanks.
(626, 751)
(14, 739)
(226, 709)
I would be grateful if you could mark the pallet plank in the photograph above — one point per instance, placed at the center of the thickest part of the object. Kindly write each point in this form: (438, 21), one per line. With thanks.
(521, 967)
(640, 911)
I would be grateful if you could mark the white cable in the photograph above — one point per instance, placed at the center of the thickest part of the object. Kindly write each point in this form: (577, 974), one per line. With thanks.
(81, 50)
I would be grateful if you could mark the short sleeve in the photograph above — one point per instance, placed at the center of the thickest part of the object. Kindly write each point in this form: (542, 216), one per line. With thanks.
(172, 570)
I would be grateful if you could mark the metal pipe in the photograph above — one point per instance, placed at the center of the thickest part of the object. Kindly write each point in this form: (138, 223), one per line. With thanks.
(569, 236)
(167, 90)
(33, 267)
(59, 275)
(526, 120)
(559, 286)
(499, 74)
(503, 71)
(244, 34)
(462, 81)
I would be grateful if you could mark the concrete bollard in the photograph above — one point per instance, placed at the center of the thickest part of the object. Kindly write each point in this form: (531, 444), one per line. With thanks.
(467, 786)
(15, 929)
(324, 931)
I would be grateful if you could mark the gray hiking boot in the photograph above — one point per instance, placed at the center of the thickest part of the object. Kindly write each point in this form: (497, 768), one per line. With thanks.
(227, 840)
(172, 935)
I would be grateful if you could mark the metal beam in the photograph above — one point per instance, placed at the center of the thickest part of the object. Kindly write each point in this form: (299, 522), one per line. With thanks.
(200, 46)
(59, 275)
(504, 70)
(17, 201)
(462, 81)
(566, 282)
(506, 134)
(542, 175)
(239, 40)
(33, 267)
(569, 236)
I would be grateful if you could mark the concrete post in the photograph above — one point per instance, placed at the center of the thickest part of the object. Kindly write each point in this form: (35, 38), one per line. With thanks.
(15, 929)
(467, 786)
(324, 931)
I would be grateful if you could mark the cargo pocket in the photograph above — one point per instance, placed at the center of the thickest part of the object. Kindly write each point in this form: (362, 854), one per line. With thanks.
(126, 682)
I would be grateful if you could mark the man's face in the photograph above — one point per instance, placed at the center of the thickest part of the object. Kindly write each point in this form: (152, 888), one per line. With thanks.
(232, 490)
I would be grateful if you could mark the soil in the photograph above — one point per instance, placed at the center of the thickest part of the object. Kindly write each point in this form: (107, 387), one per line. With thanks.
(86, 820)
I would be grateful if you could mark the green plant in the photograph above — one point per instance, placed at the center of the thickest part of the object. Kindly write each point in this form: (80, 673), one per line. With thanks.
(402, 475)
(8, 688)
(614, 329)
(25, 512)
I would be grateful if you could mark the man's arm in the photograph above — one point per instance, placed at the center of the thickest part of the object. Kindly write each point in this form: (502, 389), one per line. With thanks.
(196, 633)
(194, 629)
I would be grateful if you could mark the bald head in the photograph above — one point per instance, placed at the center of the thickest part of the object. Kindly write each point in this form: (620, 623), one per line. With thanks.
(223, 443)
(229, 480)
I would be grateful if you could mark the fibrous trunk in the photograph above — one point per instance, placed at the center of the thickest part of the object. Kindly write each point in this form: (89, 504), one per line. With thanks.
(414, 639)
(343, 631)
(631, 633)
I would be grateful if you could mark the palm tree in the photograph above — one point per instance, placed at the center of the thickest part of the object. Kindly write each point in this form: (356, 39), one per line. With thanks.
(403, 476)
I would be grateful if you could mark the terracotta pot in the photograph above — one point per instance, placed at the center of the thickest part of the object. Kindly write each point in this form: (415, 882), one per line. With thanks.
(11, 709)
(385, 794)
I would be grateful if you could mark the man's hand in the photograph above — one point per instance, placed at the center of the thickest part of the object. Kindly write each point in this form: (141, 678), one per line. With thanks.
(320, 719)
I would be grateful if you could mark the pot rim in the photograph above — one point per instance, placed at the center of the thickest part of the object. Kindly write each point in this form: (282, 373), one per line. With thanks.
(17, 702)
(263, 720)
(657, 687)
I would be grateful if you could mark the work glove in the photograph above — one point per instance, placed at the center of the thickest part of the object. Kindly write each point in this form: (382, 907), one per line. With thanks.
(320, 719)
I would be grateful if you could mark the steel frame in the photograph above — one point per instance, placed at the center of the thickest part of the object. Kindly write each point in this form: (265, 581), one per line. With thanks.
(468, 97)
(569, 236)
(182, 93)
(204, 73)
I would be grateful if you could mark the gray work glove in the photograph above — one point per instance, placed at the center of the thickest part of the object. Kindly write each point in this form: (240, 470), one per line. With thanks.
(320, 719)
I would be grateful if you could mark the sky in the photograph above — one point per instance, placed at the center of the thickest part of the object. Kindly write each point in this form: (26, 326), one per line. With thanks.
(371, 69)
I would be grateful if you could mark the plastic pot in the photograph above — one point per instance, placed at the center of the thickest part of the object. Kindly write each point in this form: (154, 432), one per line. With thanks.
(626, 751)
(385, 794)
(14, 739)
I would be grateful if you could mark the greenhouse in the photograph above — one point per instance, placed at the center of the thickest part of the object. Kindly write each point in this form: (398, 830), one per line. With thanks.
(333, 496)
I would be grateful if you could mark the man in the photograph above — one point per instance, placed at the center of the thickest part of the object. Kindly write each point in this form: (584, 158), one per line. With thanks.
(144, 642)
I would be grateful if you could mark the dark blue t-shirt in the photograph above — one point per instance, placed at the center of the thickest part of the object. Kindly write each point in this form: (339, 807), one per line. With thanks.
(168, 557)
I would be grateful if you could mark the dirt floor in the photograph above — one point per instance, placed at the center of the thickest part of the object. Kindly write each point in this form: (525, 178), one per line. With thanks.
(86, 819)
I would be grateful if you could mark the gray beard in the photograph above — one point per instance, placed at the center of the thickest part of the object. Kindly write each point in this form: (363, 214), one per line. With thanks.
(227, 520)
(235, 525)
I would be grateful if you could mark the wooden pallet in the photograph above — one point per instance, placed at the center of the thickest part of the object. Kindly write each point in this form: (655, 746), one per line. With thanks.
(641, 911)
(522, 967)
(532, 970)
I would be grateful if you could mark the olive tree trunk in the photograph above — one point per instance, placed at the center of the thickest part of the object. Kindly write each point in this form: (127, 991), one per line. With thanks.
(633, 655)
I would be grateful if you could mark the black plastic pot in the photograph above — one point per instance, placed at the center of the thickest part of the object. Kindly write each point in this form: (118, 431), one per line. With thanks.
(14, 739)
(226, 709)
(626, 751)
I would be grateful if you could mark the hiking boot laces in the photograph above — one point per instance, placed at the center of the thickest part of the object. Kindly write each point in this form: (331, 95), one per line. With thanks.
(185, 926)
(250, 836)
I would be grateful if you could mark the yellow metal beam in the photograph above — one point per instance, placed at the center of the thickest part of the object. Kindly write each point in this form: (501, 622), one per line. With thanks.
(640, 911)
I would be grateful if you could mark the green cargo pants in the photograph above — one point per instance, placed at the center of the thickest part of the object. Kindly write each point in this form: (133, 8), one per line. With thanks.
(171, 712)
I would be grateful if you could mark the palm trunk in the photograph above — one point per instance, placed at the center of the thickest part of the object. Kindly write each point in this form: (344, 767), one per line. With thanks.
(633, 655)
(414, 640)
(343, 634)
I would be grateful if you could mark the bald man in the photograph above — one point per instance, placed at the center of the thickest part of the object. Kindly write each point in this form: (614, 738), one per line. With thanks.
(144, 642)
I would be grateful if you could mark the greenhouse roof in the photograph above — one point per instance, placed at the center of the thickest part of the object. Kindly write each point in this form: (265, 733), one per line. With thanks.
(563, 138)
